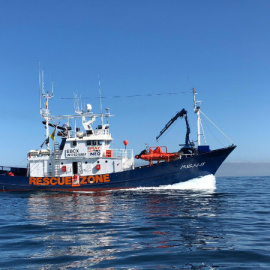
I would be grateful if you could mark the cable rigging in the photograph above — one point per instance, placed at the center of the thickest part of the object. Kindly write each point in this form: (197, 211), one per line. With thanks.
(131, 96)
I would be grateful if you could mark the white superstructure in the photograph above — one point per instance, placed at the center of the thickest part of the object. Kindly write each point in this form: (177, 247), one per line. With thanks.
(83, 150)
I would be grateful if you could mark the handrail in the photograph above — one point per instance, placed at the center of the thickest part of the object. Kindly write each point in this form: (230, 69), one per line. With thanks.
(122, 153)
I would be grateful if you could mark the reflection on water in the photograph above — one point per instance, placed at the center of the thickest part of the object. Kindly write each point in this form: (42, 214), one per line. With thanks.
(164, 228)
(101, 229)
(74, 227)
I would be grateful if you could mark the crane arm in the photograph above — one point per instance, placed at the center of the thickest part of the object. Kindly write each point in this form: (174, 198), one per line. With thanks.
(182, 113)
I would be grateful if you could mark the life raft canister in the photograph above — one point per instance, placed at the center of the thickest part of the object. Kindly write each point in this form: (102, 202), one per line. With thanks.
(76, 180)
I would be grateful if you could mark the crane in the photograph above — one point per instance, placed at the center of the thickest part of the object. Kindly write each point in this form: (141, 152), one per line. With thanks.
(182, 113)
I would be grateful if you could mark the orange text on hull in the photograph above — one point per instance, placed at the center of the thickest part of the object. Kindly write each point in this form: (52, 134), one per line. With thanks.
(53, 181)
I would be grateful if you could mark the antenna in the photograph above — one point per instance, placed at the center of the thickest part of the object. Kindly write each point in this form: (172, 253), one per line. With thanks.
(77, 103)
(45, 113)
(107, 113)
(197, 111)
(52, 87)
(100, 99)
(42, 80)
(40, 87)
(99, 94)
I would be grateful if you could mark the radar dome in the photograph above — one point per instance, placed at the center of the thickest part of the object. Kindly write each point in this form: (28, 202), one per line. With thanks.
(89, 107)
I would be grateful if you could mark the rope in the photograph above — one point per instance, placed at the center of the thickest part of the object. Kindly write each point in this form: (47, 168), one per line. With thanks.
(210, 130)
(216, 127)
(132, 96)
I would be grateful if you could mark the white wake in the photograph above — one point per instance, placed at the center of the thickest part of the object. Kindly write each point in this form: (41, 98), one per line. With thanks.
(207, 182)
(204, 183)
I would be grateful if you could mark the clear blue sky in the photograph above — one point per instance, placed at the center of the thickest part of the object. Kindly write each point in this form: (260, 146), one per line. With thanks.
(219, 47)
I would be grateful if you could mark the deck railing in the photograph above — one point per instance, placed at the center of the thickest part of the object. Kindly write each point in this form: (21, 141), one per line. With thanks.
(121, 153)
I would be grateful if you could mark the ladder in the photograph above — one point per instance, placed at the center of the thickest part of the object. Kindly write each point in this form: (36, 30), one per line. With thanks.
(56, 159)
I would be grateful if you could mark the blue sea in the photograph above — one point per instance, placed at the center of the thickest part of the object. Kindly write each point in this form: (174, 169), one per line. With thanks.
(206, 223)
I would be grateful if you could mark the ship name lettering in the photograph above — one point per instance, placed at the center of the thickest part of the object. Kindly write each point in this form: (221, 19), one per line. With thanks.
(73, 151)
(189, 166)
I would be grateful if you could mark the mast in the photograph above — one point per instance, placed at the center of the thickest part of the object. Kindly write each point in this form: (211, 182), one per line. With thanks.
(100, 100)
(45, 113)
(197, 110)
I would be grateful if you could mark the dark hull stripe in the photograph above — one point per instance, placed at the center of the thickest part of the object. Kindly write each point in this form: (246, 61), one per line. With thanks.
(160, 174)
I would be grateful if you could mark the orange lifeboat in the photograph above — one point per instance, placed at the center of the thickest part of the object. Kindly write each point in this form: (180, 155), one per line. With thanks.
(157, 154)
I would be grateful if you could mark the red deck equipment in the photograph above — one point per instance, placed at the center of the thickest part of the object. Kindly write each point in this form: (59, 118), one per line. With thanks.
(156, 154)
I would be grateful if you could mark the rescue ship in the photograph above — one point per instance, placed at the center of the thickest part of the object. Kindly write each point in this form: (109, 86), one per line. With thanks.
(84, 161)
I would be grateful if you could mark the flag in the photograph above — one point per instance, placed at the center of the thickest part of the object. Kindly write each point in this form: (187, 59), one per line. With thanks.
(52, 136)
(46, 141)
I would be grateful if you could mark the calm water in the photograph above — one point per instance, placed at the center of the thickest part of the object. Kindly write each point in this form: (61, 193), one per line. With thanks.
(180, 227)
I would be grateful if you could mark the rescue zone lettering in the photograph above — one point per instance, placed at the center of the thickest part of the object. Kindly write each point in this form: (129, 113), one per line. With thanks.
(84, 180)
